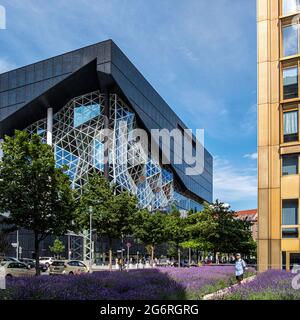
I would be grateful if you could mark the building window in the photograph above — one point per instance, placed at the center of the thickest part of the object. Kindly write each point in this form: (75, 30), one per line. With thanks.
(290, 83)
(290, 37)
(290, 212)
(290, 233)
(65, 158)
(290, 6)
(98, 154)
(290, 126)
(294, 260)
(85, 113)
(290, 164)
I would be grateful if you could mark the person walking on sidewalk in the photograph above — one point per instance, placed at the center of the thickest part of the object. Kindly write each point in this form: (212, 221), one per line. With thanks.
(240, 267)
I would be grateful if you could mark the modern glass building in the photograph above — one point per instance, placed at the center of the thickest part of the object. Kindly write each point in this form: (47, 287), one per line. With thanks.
(69, 99)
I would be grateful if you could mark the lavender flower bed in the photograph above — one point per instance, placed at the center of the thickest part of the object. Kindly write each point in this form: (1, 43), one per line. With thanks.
(270, 285)
(162, 283)
(197, 282)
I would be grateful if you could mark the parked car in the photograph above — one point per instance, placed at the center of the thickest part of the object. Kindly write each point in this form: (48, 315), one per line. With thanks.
(31, 263)
(9, 259)
(43, 267)
(67, 267)
(27, 260)
(16, 269)
(163, 262)
(46, 261)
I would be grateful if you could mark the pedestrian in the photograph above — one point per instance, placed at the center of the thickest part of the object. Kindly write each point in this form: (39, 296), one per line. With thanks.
(121, 264)
(240, 267)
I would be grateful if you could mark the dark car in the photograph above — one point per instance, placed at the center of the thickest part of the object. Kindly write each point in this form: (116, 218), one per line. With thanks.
(27, 260)
(43, 267)
(31, 263)
(8, 259)
(183, 264)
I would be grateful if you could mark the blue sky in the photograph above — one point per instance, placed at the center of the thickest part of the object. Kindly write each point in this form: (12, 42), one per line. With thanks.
(200, 55)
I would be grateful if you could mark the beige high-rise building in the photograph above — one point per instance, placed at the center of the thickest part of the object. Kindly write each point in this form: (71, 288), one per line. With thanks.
(278, 26)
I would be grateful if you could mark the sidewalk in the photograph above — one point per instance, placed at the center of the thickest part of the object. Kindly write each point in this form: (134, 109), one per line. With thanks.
(219, 294)
(114, 267)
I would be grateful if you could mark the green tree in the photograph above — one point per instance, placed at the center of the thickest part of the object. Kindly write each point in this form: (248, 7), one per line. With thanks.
(35, 193)
(175, 230)
(232, 234)
(112, 212)
(200, 228)
(150, 228)
(217, 229)
(244, 242)
(58, 247)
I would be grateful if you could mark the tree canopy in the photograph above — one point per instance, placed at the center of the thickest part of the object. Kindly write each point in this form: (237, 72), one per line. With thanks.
(217, 229)
(151, 229)
(57, 248)
(113, 213)
(36, 194)
(200, 229)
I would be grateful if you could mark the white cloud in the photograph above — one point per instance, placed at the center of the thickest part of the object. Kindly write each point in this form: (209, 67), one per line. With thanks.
(5, 65)
(233, 184)
(252, 156)
(188, 53)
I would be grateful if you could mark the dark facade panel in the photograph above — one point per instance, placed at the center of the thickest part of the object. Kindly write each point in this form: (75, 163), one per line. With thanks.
(157, 114)
(160, 111)
(20, 86)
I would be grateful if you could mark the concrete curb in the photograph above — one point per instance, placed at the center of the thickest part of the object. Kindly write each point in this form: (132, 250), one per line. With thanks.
(219, 294)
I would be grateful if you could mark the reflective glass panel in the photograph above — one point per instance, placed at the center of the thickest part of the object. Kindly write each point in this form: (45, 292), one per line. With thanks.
(290, 40)
(290, 126)
(66, 158)
(290, 165)
(290, 233)
(290, 83)
(98, 155)
(83, 114)
(290, 212)
(290, 6)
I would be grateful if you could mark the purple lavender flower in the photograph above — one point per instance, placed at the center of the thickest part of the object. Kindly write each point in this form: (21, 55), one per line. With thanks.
(147, 284)
(269, 285)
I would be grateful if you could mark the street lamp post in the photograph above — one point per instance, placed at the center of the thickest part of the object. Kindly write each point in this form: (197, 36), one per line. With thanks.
(69, 246)
(17, 247)
(91, 232)
(128, 257)
(91, 235)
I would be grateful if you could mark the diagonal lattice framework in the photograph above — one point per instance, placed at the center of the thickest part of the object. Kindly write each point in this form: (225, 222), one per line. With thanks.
(78, 145)
(132, 168)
